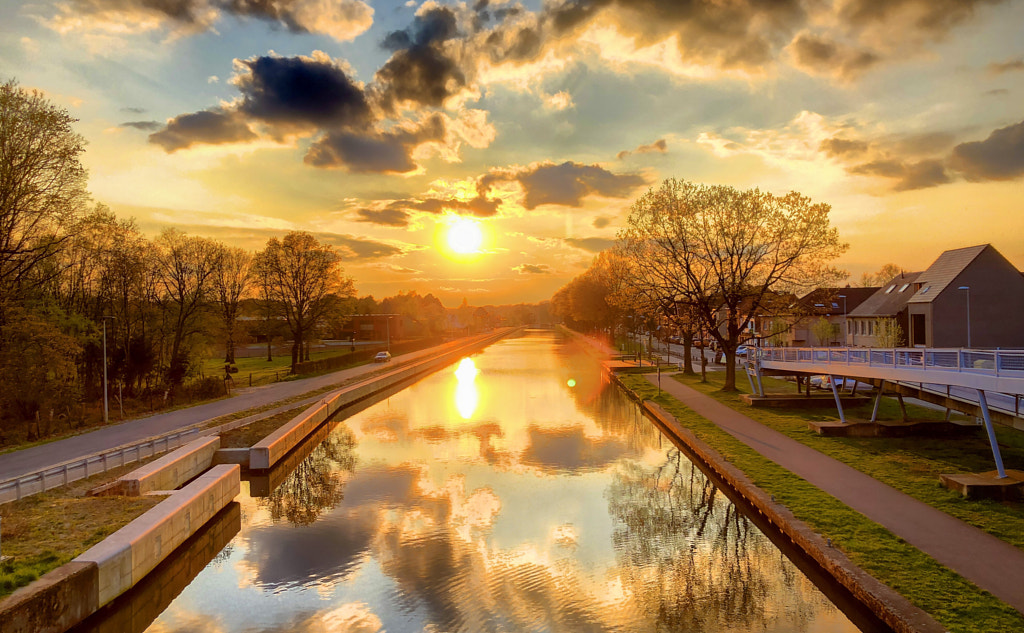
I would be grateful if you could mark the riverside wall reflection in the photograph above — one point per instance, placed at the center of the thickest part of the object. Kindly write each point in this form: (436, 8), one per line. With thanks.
(521, 494)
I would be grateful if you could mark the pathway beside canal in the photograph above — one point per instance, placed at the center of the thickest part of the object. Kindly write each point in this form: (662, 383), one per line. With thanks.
(985, 560)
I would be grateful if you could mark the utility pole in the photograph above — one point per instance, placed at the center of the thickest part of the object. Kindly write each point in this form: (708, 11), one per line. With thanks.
(106, 407)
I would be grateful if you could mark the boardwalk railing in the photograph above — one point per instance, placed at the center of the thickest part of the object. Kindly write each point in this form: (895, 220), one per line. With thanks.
(989, 362)
(82, 467)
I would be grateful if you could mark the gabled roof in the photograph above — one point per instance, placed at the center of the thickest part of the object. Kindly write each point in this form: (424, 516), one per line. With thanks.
(888, 300)
(944, 270)
(828, 300)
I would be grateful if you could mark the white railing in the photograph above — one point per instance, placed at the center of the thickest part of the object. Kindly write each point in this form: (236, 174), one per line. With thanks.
(987, 362)
(75, 469)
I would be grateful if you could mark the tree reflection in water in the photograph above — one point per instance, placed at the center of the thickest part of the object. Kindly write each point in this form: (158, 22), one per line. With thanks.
(317, 483)
(692, 562)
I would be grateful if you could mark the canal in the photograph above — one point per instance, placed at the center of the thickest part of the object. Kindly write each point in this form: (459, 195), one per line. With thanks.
(516, 491)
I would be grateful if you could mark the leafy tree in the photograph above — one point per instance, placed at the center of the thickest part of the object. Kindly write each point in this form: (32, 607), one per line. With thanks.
(586, 302)
(303, 278)
(889, 333)
(42, 186)
(824, 330)
(726, 253)
(37, 369)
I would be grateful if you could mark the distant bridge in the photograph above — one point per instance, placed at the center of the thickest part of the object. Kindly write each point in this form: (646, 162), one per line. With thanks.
(970, 377)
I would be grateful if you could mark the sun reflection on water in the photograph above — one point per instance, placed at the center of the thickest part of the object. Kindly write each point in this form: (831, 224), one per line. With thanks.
(466, 395)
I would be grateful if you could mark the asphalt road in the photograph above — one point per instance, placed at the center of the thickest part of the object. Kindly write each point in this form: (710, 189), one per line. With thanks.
(32, 459)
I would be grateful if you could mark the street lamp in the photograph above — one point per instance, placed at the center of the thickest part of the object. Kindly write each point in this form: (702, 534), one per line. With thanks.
(968, 289)
(106, 407)
(388, 322)
(845, 332)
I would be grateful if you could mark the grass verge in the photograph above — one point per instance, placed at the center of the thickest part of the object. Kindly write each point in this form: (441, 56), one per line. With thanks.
(952, 600)
(44, 531)
(910, 464)
(248, 435)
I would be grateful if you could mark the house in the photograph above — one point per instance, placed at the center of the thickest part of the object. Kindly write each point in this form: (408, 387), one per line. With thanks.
(377, 327)
(968, 297)
(887, 303)
(797, 326)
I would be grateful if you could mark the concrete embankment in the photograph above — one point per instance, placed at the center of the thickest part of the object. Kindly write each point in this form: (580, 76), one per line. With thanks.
(70, 593)
(266, 453)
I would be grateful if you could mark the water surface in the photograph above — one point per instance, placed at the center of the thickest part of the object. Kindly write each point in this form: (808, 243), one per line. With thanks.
(513, 492)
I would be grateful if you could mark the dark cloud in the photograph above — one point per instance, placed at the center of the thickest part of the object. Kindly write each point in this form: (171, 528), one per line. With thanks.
(824, 56)
(565, 184)
(386, 217)
(999, 157)
(145, 126)
(601, 222)
(1010, 65)
(659, 146)
(423, 75)
(909, 175)
(377, 152)
(211, 127)
(592, 244)
(842, 147)
(133, 110)
(301, 90)
(421, 70)
(437, 24)
(480, 206)
(358, 248)
(533, 269)
(996, 92)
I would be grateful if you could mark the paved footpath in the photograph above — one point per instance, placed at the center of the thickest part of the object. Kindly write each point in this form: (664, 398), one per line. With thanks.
(988, 562)
(32, 459)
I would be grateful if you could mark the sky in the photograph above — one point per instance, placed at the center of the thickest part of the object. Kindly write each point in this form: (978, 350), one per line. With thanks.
(381, 126)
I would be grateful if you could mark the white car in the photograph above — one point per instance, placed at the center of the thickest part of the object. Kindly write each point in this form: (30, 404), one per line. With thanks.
(382, 357)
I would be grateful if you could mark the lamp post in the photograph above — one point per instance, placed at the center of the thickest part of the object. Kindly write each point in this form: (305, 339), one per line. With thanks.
(845, 332)
(106, 407)
(968, 289)
(388, 322)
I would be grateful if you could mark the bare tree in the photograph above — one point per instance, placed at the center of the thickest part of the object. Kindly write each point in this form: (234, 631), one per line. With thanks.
(302, 278)
(884, 274)
(725, 253)
(185, 267)
(42, 185)
(231, 279)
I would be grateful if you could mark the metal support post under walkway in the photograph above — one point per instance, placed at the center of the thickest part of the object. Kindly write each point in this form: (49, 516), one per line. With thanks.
(991, 433)
(839, 402)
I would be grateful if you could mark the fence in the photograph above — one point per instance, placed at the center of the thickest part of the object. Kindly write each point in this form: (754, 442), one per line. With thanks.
(83, 467)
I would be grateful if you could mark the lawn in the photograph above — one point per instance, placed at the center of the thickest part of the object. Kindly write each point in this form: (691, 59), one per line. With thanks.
(955, 602)
(260, 369)
(44, 531)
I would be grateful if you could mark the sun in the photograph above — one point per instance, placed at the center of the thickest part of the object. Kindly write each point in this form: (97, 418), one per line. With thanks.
(465, 236)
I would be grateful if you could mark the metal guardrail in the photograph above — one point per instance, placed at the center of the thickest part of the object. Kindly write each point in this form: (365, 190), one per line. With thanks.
(83, 467)
(987, 362)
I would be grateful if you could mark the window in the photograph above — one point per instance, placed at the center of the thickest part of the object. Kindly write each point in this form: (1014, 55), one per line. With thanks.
(904, 287)
(890, 289)
(871, 328)
(925, 289)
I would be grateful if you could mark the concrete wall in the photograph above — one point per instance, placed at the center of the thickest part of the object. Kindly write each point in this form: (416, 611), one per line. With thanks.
(54, 603)
(171, 470)
(124, 557)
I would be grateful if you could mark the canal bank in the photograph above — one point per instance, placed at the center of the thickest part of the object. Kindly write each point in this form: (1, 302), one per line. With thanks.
(67, 595)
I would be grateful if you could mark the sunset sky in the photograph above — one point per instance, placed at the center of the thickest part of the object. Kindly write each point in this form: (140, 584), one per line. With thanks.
(375, 124)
